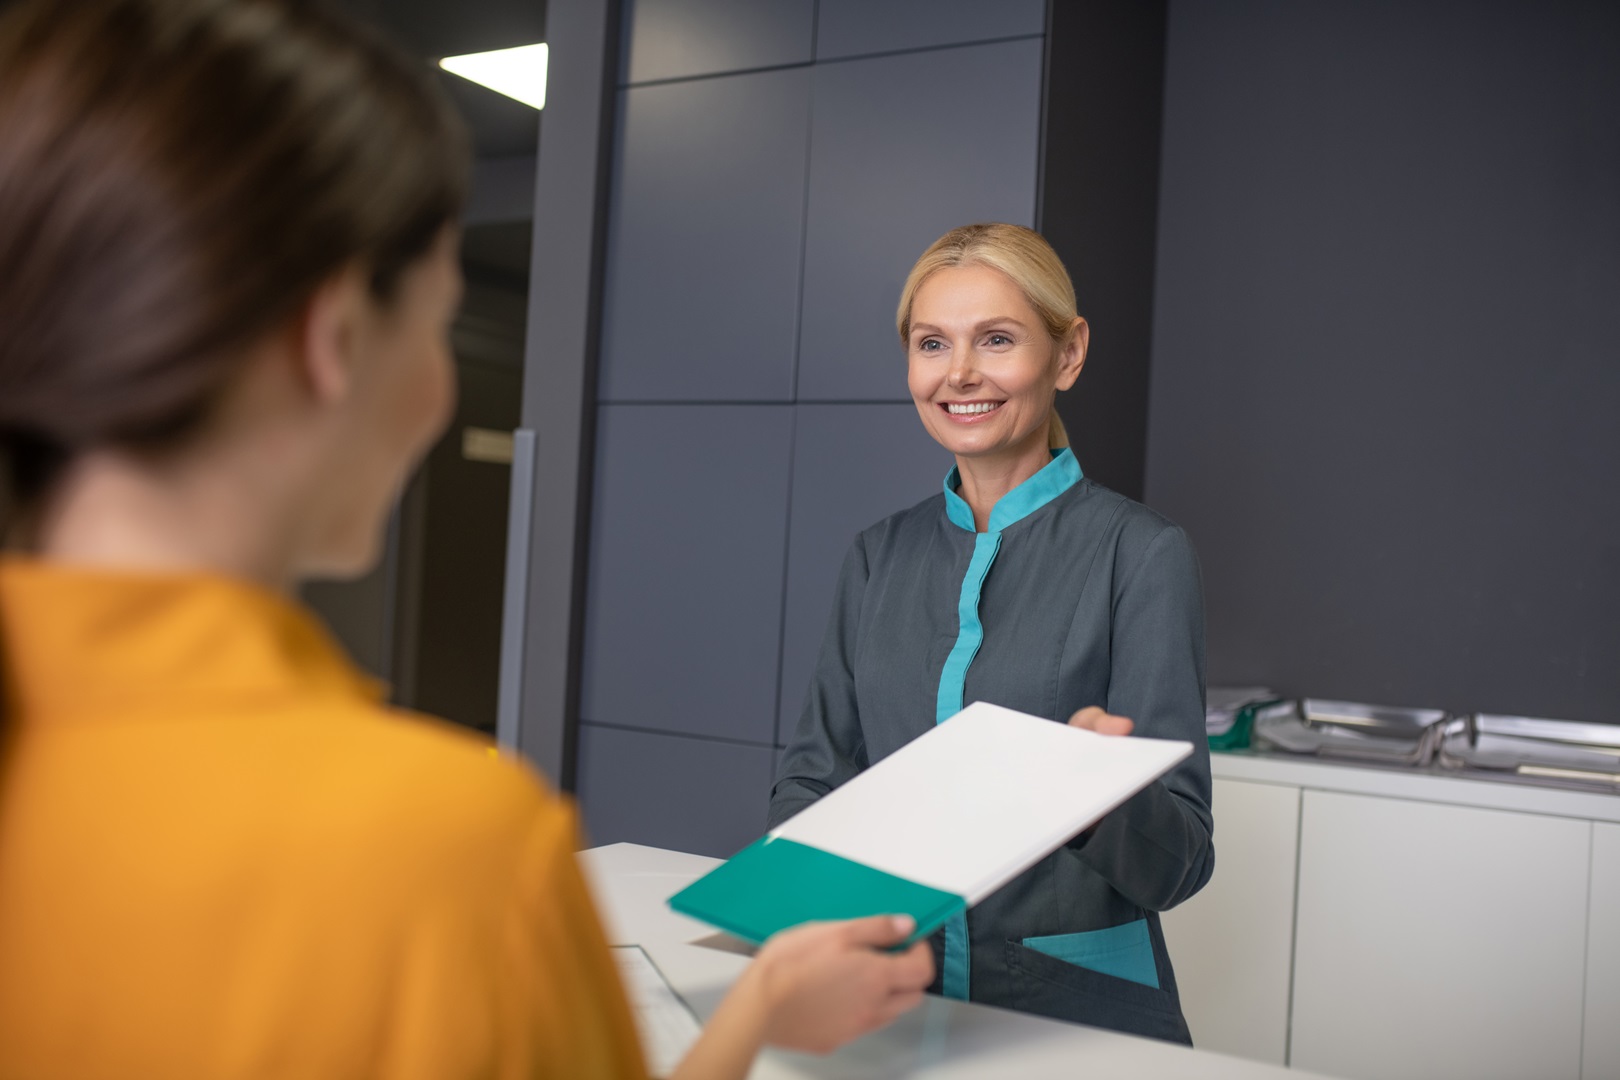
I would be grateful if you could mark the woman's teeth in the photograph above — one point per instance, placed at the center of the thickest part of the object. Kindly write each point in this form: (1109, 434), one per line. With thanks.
(969, 410)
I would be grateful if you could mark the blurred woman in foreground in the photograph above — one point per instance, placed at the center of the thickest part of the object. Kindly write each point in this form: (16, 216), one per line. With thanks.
(227, 273)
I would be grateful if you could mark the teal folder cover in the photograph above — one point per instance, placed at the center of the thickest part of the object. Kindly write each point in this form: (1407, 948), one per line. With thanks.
(775, 884)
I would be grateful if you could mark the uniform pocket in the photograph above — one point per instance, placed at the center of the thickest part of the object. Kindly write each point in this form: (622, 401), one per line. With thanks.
(1045, 985)
(1125, 952)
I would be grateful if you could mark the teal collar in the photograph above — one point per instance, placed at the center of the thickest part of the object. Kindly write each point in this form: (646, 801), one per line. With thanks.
(1053, 480)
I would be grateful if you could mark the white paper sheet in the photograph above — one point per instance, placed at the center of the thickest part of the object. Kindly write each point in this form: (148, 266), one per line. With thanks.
(666, 1026)
(980, 798)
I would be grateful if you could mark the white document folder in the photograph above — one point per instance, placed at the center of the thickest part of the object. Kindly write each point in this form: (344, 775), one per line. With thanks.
(980, 798)
(934, 827)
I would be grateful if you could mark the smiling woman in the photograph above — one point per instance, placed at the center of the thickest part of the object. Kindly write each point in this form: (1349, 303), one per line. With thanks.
(1021, 288)
(1027, 585)
(985, 361)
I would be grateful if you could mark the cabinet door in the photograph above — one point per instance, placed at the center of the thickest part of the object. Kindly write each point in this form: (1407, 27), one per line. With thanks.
(1232, 944)
(1602, 1051)
(1438, 941)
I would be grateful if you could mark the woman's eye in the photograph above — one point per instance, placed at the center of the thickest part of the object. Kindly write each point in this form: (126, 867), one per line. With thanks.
(930, 345)
(1000, 339)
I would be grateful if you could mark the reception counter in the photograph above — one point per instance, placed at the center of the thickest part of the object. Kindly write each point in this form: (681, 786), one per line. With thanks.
(941, 1039)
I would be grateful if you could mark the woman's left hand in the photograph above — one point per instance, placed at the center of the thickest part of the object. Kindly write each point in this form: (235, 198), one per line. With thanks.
(1103, 723)
(1094, 719)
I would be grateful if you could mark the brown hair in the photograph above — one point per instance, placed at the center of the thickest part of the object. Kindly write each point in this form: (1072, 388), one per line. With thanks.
(1021, 254)
(176, 178)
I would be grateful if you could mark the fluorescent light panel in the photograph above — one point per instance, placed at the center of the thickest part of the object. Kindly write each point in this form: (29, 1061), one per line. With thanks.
(518, 73)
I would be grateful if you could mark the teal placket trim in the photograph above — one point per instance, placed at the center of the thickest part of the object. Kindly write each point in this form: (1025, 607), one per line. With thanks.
(970, 632)
(1053, 480)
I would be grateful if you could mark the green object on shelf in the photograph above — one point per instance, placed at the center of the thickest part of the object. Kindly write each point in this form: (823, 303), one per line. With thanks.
(1238, 735)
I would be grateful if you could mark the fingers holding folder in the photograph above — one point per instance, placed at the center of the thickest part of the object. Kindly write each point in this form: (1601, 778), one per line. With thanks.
(1092, 718)
(833, 982)
(814, 988)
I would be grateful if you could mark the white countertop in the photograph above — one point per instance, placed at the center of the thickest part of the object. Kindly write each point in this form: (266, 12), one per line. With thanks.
(941, 1040)
(1419, 785)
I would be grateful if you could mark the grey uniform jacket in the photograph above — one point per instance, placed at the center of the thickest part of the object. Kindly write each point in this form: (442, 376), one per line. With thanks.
(1088, 599)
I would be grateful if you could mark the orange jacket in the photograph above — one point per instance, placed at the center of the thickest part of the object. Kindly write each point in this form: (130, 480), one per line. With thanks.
(221, 857)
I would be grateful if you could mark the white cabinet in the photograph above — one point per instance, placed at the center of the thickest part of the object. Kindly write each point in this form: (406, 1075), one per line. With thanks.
(1602, 1051)
(1439, 941)
(1232, 944)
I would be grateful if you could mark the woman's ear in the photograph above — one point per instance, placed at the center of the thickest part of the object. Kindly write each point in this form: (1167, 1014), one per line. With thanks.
(1072, 353)
(329, 335)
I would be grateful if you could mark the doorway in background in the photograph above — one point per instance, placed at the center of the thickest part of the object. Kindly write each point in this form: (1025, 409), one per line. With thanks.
(428, 620)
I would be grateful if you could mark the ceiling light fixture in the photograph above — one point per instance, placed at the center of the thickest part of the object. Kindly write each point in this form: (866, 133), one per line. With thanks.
(518, 73)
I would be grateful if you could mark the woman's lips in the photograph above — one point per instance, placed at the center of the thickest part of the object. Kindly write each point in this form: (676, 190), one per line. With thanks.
(977, 415)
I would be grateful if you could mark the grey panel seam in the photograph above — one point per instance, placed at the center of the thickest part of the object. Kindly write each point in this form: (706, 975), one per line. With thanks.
(930, 48)
(1293, 929)
(787, 555)
(804, 216)
(721, 739)
(1041, 132)
(1586, 952)
(832, 60)
(710, 75)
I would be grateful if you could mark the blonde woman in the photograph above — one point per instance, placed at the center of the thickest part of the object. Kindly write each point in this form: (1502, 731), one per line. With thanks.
(1024, 584)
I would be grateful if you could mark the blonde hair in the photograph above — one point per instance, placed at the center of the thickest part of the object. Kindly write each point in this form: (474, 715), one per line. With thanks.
(1021, 254)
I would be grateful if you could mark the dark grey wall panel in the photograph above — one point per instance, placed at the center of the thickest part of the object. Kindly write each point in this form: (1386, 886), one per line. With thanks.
(903, 149)
(860, 27)
(1384, 382)
(702, 294)
(676, 39)
(672, 792)
(686, 563)
(853, 465)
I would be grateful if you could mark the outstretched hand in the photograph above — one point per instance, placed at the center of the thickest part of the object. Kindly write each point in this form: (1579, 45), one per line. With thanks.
(829, 983)
(814, 987)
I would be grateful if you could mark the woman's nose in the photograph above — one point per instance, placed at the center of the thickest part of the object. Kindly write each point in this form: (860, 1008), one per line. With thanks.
(962, 371)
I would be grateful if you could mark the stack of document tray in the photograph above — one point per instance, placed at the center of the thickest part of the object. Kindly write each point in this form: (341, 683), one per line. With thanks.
(1347, 729)
(1560, 752)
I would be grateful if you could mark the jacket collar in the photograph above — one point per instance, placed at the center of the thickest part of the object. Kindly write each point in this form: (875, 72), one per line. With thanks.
(1053, 480)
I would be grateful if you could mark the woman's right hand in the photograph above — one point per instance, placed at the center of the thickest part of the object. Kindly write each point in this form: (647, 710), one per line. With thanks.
(828, 983)
(815, 988)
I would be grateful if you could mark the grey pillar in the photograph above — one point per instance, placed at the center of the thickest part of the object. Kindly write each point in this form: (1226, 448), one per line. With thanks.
(539, 704)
